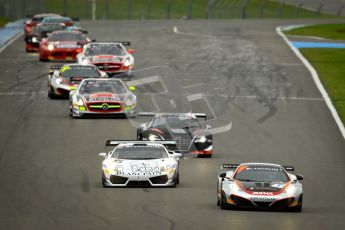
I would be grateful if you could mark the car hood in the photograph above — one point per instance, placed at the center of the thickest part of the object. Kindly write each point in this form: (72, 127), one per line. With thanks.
(174, 133)
(67, 44)
(142, 167)
(262, 188)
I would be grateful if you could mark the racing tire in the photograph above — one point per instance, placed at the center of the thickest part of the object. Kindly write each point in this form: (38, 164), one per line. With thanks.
(204, 155)
(218, 202)
(51, 93)
(223, 205)
(298, 208)
(103, 181)
(177, 180)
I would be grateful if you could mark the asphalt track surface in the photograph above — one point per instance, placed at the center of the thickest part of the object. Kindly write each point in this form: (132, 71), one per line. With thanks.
(240, 72)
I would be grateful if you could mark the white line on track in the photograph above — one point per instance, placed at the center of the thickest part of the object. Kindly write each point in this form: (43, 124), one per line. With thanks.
(310, 37)
(11, 41)
(317, 81)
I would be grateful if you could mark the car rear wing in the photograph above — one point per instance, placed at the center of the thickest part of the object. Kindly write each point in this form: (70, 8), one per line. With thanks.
(230, 166)
(289, 168)
(197, 115)
(125, 43)
(170, 145)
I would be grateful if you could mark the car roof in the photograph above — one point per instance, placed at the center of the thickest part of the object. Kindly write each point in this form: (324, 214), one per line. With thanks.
(261, 164)
(103, 79)
(143, 144)
(57, 16)
(67, 32)
(45, 15)
(171, 115)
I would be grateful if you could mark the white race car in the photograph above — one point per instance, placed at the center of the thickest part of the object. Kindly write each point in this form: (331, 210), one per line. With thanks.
(110, 57)
(140, 163)
(259, 186)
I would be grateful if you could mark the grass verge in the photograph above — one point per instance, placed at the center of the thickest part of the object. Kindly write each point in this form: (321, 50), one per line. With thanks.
(158, 9)
(3, 22)
(330, 31)
(328, 62)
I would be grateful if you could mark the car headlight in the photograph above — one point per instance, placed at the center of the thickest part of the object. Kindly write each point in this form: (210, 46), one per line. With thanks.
(153, 137)
(234, 187)
(60, 81)
(201, 139)
(84, 62)
(290, 189)
(80, 102)
(127, 63)
(130, 101)
(34, 39)
(50, 47)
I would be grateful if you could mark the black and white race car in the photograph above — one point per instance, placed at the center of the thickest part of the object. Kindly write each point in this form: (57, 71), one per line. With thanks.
(64, 78)
(259, 186)
(191, 136)
(140, 163)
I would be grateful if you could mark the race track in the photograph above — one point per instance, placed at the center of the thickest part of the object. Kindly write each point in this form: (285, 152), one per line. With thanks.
(261, 100)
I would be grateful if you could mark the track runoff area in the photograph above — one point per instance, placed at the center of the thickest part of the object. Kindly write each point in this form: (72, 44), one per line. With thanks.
(261, 101)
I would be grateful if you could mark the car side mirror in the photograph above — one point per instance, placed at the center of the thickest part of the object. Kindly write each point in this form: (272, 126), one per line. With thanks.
(222, 175)
(299, 177)
(208, 127)
(93, 40)
(177, 155)
(131, 51)
(102, 155)
(131, 88)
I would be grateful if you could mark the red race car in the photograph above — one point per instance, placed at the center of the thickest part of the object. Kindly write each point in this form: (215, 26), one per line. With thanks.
(30, 24)
(42, 30)
(62, 46)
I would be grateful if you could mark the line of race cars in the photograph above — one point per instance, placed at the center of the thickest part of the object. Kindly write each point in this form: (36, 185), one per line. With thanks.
(94, 87)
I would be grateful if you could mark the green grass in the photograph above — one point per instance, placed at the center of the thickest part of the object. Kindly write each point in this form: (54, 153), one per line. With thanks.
(118, 9)
(329, 63)
(331, 31)
(3, 22)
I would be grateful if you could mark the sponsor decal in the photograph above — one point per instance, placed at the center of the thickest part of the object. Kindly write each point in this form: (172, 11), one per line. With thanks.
(178, 131)
(263, 193)
(262, 198)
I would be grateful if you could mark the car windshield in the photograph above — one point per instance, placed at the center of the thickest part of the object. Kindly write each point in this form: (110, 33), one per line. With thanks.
(176, 122)
(56, 19)
(50, 27)
(79, 71)
(140, 152)
(104, 86)
(105, 49)
(67, 37)
(261, 173)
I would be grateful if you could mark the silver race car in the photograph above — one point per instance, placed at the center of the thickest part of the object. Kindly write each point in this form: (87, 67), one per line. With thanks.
(102, 97)
(140, 163)
(110, 57)
(259, 185)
